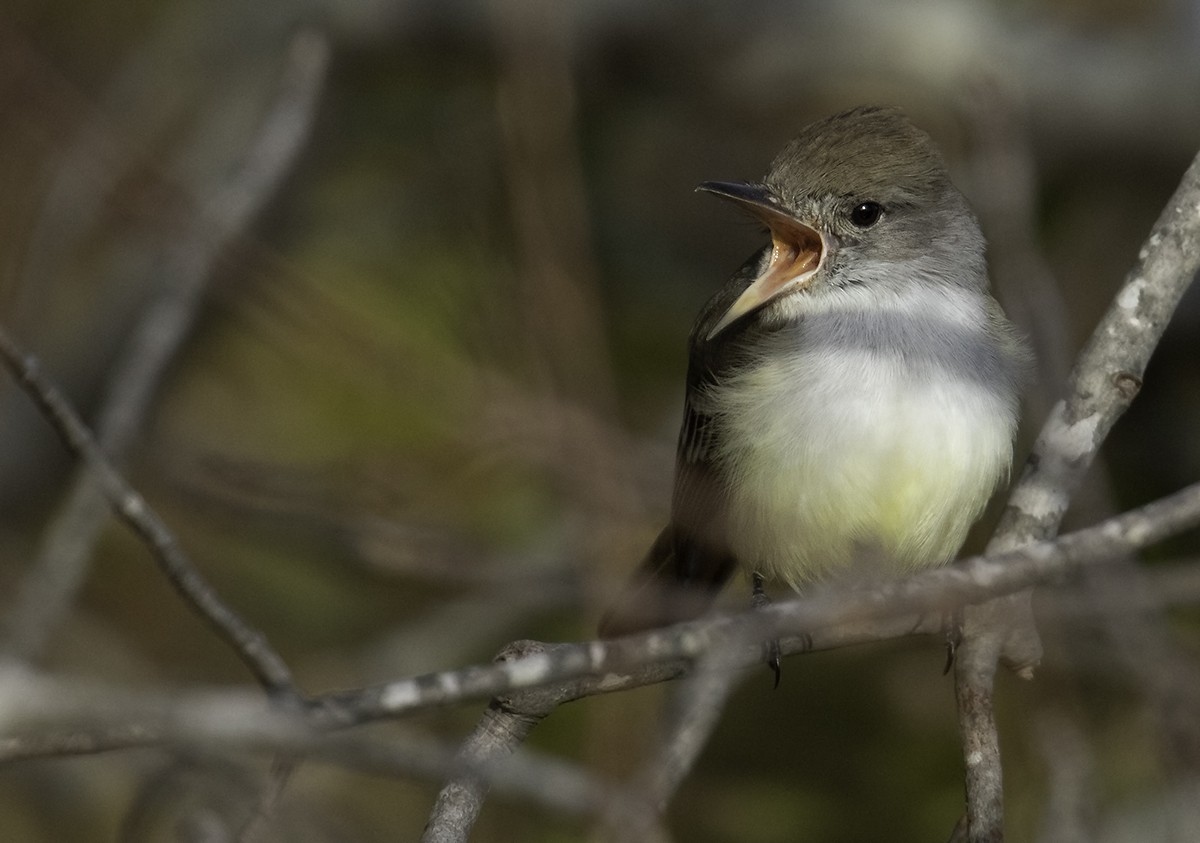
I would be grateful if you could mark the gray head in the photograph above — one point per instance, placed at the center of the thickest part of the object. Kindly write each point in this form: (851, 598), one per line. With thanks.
(860, 198)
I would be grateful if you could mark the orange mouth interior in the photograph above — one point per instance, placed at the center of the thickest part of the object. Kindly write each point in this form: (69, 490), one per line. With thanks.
(796, 250)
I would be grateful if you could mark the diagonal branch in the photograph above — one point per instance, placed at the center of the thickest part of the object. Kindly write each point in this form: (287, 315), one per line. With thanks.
(1108, 374)
(696, 707)
(249, 643)
(1104, 381)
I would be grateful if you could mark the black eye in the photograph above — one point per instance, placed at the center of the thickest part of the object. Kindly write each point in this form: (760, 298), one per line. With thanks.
(866, 214)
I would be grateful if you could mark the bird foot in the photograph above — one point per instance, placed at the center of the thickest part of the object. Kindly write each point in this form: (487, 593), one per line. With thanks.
(772, 655)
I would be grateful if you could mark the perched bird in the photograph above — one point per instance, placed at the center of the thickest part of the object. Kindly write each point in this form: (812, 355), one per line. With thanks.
(852, 391)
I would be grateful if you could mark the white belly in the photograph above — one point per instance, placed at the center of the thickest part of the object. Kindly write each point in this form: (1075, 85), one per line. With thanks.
(833, 455)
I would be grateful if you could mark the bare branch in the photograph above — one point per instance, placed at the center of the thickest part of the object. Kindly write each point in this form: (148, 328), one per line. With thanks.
(503, 728)
(593, 667)
(73, 742)
(914, 605)
(250, 644)
(1105, 379)
(54, 717)
(696, 707)
(834, 618)
(974, 689)
(538, 671)
(1108, 373)
(460, 800)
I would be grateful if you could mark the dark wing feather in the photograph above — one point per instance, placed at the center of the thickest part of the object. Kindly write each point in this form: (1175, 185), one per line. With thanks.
(702, 557)
(691, 560)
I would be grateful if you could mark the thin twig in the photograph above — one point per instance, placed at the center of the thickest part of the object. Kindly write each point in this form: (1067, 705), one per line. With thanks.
(249, 644)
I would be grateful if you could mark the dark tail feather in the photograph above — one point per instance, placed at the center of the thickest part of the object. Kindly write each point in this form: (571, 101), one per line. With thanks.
(660, 593)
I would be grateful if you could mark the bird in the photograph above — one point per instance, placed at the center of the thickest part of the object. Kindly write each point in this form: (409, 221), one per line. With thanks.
(853, 391)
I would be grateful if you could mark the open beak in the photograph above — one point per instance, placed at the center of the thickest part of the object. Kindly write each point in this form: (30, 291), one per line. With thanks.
(798, 250)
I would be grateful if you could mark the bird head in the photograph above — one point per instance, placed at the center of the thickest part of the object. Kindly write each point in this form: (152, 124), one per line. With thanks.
(862, 198)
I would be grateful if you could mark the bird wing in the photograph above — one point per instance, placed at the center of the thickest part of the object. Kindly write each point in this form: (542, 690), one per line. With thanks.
(690, 560)
(700, 554)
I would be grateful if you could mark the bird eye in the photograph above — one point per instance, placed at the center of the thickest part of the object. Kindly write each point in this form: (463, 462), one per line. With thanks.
(866, 214)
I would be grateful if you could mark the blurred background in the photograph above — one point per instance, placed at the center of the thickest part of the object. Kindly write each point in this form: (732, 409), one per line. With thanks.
(383, 306)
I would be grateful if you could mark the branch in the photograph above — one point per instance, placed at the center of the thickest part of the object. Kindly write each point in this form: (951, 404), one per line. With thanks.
(836, 618)
(505, 725)
(559, 673)
(1109, 371)
(55, 718)
(55, 577)
(1104, 381)
(696, 707)
(1106, 378)
(538, 677)
(249, 644)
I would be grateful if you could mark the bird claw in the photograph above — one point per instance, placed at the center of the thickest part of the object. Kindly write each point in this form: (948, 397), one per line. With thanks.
(953, 632)
(772, 655)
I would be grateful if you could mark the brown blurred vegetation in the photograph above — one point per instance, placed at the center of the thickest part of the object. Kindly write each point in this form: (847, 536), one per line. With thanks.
(430, 400)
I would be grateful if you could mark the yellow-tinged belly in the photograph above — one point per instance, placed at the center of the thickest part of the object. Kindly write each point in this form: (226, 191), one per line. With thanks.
(828, 458)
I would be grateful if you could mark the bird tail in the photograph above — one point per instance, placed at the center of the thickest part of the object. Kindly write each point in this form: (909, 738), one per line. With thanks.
(660, 593)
